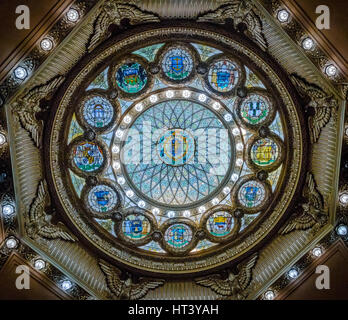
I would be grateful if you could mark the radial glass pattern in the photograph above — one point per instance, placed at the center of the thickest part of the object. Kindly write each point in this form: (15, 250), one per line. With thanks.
(186, 164)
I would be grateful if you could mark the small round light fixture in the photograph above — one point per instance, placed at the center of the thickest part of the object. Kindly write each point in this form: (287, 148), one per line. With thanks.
(202, 97)
(66, 285)
(186, 213)
(121, 180)
(228, 117)
(155, 211)
(283, 15)
(2, 139)
(317, 251)
(46, 44)
(235, 131)
(226, 190)
(170, 94)
(20, 73)
(346, 131)
(11, 243)
(293, 273)
(240, 146)
(342, 230)
(119, 133)
(239, 162)
(216, 105)
(201, 209)
(141, 204)
(39, 264)
(127, 119)
(331, 70)
(215, 201)
(115, 149)
(186, 94)
(116, 165)
(171, 214)
(139, 107)
(8, 209)
(344, 198)
(129, 193)
(72, 15)
(308, 43)
(269, 295)
(234, 177)
(153, 98)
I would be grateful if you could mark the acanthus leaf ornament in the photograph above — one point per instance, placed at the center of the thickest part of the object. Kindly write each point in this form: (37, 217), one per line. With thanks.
(39, 224)
(235, 286)
(324, 106)
(112, 12)
(311, 212)
(127, 289)
(26, 108)
(241, 11)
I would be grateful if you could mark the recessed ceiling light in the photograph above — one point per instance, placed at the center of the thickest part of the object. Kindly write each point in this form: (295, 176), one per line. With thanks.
(119, 133)
(240, 146)
(293, 273)
(73, 15)
(20, 73)
(307, 43)
(8, 209)
(342, 230)
(346, 131)
(331, 70)
(283, 15)
(2, 139)
(269, 295)
(239, 162)
(344, 198)
(317, 252)
(46, 44)
(234, 176)
(66, 285)
(39, 264)
(11, 243)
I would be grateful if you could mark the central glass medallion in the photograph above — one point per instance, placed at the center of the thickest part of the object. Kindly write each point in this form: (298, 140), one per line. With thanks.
(178, 153)
(176, 147)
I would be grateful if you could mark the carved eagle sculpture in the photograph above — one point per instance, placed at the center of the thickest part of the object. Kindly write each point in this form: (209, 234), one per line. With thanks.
(311, 212)
(241, 11)
(322, 103)
(38, 224)
(113, 12)
(28, 106)
(127, 289)
(235, 286)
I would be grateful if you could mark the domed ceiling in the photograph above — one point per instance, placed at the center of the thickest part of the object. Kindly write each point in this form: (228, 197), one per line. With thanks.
(177, 148)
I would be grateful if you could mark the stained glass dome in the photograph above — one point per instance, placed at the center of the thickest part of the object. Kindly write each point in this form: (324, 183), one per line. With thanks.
(192, 153)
